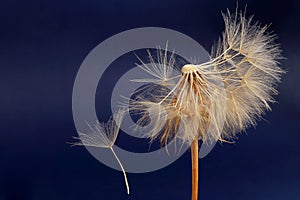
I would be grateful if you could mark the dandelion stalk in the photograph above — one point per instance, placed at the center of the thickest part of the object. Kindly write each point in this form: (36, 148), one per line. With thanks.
(195, 169)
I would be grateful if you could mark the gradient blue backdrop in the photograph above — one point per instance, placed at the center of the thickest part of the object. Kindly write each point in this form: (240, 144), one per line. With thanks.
(42, 44)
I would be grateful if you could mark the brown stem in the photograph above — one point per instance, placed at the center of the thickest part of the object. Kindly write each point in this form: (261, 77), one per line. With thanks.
(194, 155)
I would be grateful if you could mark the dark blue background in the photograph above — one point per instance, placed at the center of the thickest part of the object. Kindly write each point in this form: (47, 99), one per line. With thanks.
(42, 44)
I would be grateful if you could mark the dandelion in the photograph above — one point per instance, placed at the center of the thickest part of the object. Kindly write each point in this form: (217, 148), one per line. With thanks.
(245, 60)
(104, 135)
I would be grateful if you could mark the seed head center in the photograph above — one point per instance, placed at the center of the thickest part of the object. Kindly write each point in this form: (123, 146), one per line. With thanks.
(188, 68)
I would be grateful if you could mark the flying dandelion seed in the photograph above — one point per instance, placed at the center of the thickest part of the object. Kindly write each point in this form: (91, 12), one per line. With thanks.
(246, 58)
(104, 135)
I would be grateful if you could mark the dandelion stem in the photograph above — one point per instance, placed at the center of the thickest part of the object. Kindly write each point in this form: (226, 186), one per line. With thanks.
(195, 159)
(124, 173)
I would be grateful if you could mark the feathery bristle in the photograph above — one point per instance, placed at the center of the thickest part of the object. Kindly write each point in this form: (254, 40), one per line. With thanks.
(101, 134)
(248, 59)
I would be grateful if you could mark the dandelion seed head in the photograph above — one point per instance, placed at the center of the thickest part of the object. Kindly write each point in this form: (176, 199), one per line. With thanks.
(225, 95)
